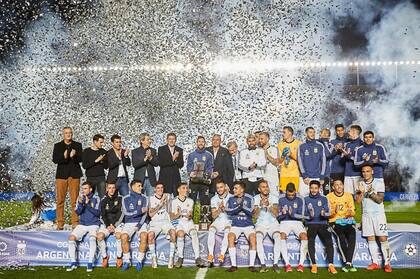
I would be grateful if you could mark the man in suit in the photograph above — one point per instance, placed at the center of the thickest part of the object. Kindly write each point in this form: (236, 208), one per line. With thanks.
(67, 154)
(118, 161)
(144, 162)
(171, 160)
(223, 165)
(232, 147)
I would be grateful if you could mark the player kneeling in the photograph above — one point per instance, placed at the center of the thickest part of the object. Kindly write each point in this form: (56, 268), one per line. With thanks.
(181, 216)
(290, 216)
(111, 217)
(266, 211)
(240, 208)
(87, 207)
(318, 212)
(134, 208)
(160, 223)
(221, 222)
(370, 193)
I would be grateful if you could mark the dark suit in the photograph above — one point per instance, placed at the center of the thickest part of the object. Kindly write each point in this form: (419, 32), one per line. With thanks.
(140, 166)
(69, 167)
(223, 165)
(169, 169)
(67, 178)
(114, 163)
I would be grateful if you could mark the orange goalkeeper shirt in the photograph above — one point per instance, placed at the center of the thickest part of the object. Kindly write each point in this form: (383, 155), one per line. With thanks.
(291, 169)
(339, 206)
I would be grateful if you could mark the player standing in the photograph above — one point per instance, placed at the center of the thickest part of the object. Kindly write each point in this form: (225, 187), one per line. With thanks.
(370, 193)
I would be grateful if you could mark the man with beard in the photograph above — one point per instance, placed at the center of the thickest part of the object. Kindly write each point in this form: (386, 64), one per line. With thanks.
(252, 162)
(200, 170)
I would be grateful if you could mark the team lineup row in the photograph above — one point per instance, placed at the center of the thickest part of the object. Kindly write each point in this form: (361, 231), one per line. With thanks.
(291, 161)
(275, 216)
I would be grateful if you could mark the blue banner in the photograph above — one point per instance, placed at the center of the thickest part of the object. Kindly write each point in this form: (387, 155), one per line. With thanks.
(26, 196)
(402, 196)
(50, 249)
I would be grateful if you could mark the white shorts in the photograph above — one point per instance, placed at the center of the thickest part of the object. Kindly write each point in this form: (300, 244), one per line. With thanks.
(295, 227)
(129, 228)
(185, 226)
(221, 226)
(304, 188)
(81, 230)
(374, 225)
(246, 231)
(104, 230)
(269, 229)
(160, 227)
(351, 184)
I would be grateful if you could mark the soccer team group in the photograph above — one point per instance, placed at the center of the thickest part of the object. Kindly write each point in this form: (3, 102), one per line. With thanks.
(306, 189)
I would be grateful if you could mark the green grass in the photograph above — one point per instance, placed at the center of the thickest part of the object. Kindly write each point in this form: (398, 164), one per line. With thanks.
(186, 273)
(15, 213)
(112, 273)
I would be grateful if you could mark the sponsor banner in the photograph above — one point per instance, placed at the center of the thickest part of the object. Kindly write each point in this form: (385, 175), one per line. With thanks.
(51, 249)
(402, 196)
(26, 196)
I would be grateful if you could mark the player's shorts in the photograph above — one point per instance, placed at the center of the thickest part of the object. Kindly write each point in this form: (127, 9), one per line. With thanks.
(128, 228)
(221, 225)
(351, 184)
(185, 226)
(160, 227)
(304, 188)
(291, 226)
(286, 180)
(269, 229)
(374, 225)
(81, 230)
(246, 231)
(104, 230)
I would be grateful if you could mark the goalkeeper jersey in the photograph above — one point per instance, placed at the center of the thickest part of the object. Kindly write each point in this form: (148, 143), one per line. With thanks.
(339, 206)
(289, 168)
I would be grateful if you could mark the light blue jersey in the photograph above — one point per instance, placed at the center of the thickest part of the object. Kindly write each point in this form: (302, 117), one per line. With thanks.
(265, 217)
(215, 201)
(370, 207)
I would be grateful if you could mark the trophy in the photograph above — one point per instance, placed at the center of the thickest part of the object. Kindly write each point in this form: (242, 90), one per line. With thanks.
(204, 218)
(201, 177)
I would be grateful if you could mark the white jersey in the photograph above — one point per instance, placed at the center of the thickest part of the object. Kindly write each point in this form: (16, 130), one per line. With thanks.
(247, 158)
(186, 206)
(162, 215)
(369, 207)
(271, 173)
(265, 217)
(215, 201)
